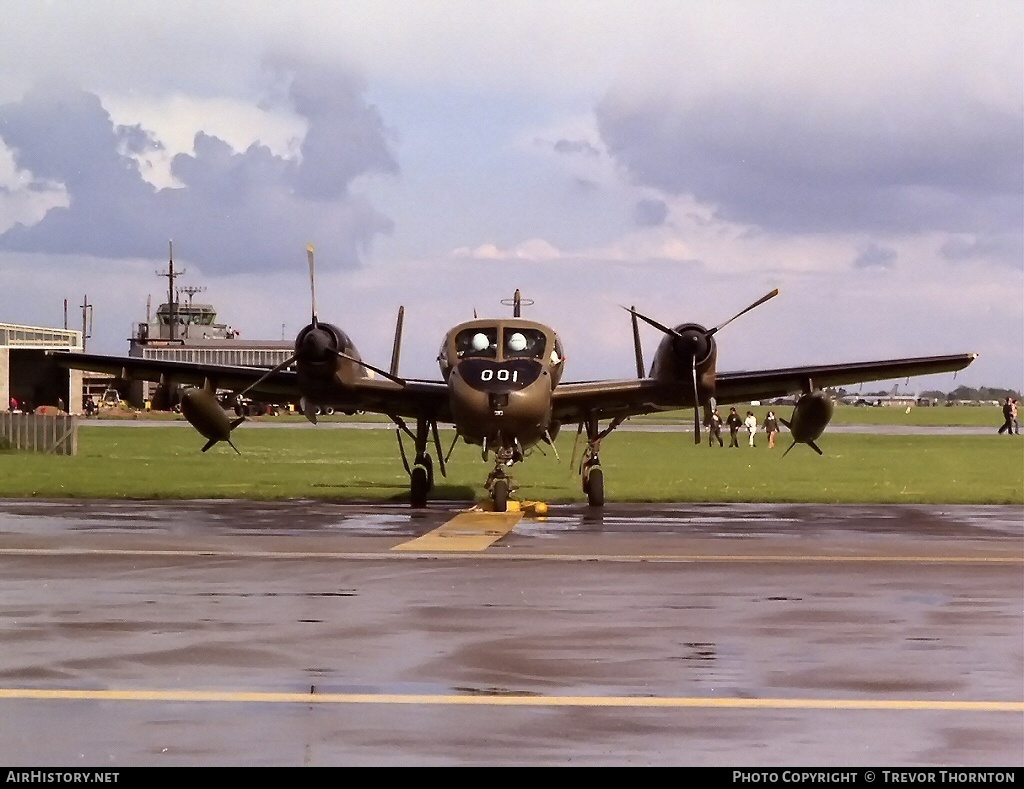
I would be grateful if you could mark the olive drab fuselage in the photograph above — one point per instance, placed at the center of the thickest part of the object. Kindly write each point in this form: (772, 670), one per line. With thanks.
(500, 376)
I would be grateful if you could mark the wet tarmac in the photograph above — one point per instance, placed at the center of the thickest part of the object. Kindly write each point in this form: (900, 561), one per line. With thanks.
(292, 633)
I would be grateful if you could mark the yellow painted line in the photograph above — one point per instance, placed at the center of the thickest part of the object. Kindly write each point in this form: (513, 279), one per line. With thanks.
(413, 550)
(506, 699)
(467, 531)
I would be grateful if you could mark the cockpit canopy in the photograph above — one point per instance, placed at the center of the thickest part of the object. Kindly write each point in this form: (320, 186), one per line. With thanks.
(502, 342)
(517, 342)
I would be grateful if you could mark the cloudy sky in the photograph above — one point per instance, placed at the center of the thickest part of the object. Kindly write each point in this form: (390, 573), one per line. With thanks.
(867, 158)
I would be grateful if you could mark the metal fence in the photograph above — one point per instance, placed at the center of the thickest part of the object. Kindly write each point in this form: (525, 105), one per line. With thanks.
(57, 434)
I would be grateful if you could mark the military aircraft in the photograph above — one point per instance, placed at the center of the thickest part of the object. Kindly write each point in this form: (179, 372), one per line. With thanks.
(501, 388)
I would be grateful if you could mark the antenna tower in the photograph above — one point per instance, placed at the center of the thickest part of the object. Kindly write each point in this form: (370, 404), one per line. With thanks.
(172, 300)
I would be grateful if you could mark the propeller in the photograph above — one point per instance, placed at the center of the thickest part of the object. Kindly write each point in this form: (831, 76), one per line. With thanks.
(693, 343)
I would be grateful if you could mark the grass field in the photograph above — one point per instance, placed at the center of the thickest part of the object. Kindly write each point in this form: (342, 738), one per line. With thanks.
(939, 416)
(165, 463)
(956, 416)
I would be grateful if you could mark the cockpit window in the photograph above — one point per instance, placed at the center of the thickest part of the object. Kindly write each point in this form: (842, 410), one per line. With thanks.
(557, 356)
(522, 343)
(478, 343)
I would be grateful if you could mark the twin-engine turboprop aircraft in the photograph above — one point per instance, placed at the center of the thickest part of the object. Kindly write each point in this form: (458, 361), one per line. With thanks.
(501, 388)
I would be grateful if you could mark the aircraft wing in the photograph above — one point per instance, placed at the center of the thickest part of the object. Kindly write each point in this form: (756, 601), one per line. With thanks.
(744, 386)
(630, 397)
(282, 383)
(368, 394)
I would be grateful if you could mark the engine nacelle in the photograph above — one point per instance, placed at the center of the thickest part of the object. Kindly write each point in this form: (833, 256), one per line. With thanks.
(319, 344)
(677, 355)
(203, 411)
(811, 416)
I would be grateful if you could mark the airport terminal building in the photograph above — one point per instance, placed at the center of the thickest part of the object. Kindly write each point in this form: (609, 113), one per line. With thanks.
(29, 377)
(190, 333)
(184, 333)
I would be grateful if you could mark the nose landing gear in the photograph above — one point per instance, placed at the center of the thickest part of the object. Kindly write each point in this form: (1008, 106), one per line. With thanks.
(499, 483)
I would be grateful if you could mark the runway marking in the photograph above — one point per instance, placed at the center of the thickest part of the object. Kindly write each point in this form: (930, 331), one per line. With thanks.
(418, 551)
(467, 531)
(506, 699)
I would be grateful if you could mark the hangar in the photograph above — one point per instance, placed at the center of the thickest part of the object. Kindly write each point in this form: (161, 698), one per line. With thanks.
(28, 376)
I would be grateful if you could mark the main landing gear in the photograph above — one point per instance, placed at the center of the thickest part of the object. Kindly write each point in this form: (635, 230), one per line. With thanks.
(421, 472)
(590, 466)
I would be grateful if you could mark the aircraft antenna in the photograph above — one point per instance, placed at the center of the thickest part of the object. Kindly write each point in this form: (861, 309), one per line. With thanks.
(517, 302)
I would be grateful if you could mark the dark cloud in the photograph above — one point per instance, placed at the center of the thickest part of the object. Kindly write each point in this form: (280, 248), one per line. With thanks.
(575, 148)
(136, 140)
(244, 211)
(875, 256)
(650, 213)
(345, 139)
(797, 167)
(1008, 248)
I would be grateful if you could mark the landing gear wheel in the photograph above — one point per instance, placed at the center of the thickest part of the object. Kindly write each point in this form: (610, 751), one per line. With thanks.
(499, 495)
(419, 487)
(593, 485)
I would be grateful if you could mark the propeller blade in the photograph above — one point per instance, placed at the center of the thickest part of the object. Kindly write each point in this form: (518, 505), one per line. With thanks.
(637, 349)
(385, 374)
(757, 303)
(663, 329)
(396, 349)
(308, 409)
(312, 286)
(266, 375)
(696, 404)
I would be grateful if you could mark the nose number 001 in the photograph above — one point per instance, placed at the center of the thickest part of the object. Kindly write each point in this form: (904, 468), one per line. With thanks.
(501, 375)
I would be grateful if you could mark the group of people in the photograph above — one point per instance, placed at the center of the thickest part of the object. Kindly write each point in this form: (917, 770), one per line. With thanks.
(735, 424)
(1011, 422)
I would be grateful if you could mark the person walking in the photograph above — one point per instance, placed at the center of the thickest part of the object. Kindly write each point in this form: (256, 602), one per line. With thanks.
(1007, 417)
(751, 424)
(734, 423)
(1014, 415)
(715, 429)
(771, 427)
